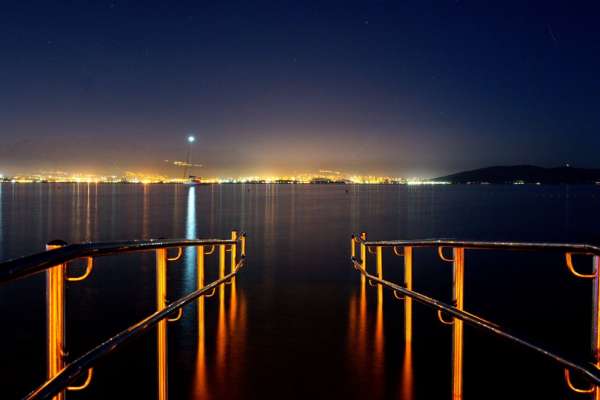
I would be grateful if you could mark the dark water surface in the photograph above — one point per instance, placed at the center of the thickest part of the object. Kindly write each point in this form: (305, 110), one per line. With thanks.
(298, 325)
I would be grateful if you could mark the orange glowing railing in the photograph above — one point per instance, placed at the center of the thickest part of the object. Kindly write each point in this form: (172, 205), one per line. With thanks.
(405, 292)
(60, 376)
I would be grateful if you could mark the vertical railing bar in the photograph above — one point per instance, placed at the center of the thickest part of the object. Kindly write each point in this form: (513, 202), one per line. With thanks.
(243, 249)
(221, 261)
(457, 334)
(161, 303)
(234, 236)
(233, 291)
(222, 250)
(596, 319)
(363, 256)
(379, 265)
(408, 283)
(55, 318)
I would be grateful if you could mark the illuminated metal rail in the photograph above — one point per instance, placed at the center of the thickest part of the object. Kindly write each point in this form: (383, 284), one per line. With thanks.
(61, 253)
(54, 263)
(404, 292)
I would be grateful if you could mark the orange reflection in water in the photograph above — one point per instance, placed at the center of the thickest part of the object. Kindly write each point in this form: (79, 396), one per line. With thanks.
(362, 322)
(367, 350)
(229, 340)
(357, 328)
(221, 344)
(233, 305)
(222, 337)
(366, 341)
(200, 384)
(407, 381)
(200, 388)
(379, 350)
(236, 342)
(457, 359)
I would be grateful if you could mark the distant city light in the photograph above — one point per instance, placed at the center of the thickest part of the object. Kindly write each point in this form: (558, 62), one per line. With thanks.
(191, 139)
(321, 177)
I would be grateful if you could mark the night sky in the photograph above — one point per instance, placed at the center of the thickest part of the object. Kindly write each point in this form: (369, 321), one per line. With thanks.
(398, 88)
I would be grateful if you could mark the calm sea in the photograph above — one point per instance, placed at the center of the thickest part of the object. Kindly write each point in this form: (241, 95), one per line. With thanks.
(298, 325)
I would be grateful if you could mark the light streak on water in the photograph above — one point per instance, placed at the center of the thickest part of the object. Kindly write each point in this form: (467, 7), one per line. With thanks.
(1, 227)
(190, 233)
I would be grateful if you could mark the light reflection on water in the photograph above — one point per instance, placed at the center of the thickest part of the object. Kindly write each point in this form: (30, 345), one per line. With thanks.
(1, 226)
(298, 316)
(190, 233)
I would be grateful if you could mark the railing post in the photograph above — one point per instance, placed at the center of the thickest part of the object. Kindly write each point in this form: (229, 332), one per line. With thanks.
(379, 265)
(408, 278)
(596, 320)
(379, 254)
(200, 367)
(161, 303)
(55, 317)
(221, 266)
(221, 261)
(379, 335)
(234, 237)
(233, 298)
(363, 257)
(243, 242)
(457, 333)
(200, 285)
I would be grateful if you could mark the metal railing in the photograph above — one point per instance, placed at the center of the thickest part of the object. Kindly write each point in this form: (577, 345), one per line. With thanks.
(405, 292)
(54, 262)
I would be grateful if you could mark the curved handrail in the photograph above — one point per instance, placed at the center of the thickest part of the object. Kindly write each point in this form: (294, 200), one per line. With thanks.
(29, 265)
(474, 320)
(60, 381)
(490, 245)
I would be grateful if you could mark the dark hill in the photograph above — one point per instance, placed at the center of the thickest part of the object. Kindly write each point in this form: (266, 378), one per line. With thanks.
(527, 174)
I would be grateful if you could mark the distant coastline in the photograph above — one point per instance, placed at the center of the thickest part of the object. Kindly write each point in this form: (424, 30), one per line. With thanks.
(525, 174)
(497, 175)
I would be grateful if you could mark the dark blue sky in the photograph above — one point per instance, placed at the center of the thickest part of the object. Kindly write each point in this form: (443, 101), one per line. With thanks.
(400, 88)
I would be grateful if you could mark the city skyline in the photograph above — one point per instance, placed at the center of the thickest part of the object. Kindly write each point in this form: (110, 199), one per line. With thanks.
(320, 176)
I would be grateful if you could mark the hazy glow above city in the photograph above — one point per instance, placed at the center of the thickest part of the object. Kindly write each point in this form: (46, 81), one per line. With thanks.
(282, 89)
